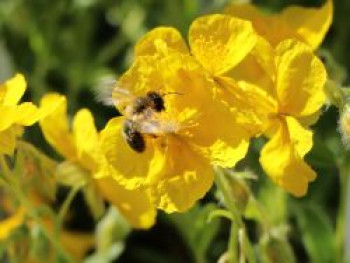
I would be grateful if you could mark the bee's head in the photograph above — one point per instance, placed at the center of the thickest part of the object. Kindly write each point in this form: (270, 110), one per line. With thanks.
(157, 100)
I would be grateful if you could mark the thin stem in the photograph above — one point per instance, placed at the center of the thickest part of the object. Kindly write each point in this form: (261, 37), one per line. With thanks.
(344, 172)
(238, 237)
(67, 202)
(17, 190)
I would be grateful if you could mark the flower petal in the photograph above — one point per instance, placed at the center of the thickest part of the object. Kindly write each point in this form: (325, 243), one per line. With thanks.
(187, 177)
(9, 224)
(300, 81)
(281, 159)
(228, 143)
(55, 125)
(310, 27)
(135, 205)
(25, 114)
(220, 42)
(8, 141)
(158, 40)
(312, 23)
(272, 28)
(12, 90)
(86, 139)
(300, 137)
(131, 167)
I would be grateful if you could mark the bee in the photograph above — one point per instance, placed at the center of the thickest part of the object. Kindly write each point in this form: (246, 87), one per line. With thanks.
(133, 137)
(140, 112)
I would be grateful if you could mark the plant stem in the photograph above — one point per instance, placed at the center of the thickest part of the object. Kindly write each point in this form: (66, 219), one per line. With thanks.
(237, 226)
(67, 202)
(344, 173)
(17, 190)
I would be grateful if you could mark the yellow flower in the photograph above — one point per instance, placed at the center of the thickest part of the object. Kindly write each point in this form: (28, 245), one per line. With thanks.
(294, 96)
(218, 44)
(80, 147)
(309, 25)
(9, 224)
(14, 115)
(196, 130)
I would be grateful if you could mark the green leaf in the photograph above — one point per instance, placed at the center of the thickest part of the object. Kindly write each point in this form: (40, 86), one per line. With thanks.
(317, 233)
(275, 249)
(35, 170)
(196, 229)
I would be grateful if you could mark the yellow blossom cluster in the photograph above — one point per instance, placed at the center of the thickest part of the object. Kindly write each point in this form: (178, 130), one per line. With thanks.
(189, 108)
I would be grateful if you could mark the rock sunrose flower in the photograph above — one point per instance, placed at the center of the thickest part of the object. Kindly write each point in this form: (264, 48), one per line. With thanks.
(218, 44)
(13, 115)
(192, 133)
(309, 25)
(294, 96)
(80, 148)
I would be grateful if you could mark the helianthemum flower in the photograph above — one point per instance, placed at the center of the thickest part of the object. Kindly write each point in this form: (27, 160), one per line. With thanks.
(13, 115)
(80, 148)
(195, 129)
(309, 25)
(294, 95)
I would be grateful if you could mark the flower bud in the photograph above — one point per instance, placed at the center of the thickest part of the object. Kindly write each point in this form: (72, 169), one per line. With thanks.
(344, 126)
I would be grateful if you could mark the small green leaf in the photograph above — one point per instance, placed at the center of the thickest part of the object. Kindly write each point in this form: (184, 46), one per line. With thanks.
(317, 233)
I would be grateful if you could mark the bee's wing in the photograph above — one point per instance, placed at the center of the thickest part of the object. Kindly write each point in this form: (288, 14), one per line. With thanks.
(110, 93)
(154, 124)
(103, 90)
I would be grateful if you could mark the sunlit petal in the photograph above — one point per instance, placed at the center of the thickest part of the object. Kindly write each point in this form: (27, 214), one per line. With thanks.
(220, 42)
(159, 40)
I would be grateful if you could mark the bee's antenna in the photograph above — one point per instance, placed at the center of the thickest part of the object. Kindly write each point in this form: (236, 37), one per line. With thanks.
(172, 93)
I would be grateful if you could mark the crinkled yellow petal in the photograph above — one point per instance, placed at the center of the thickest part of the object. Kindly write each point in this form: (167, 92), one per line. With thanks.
(187, 177)
(86, 139)
(226, 145)
(131, 167)
(11, 223)
(159, 40)
(272, 28)
(258, 67)
(220, 42)
(55, 126)
(8, 118)
(300, 137)
(282, 161)
(153, 73)
(12, 90)
(27, 114)
(311, 24)
(309, 120)
(300, 80)
(252, 104)
(24, 114)
(8, 140)
(135, 205)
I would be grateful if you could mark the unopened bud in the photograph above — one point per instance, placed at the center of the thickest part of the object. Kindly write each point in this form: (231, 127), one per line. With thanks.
(334, 94)
(344, 126)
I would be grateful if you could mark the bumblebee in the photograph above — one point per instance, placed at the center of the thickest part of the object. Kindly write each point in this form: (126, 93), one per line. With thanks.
(133, 137)
(140, 112)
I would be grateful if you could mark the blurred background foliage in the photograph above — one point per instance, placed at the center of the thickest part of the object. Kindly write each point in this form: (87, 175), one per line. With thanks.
(69, 45)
